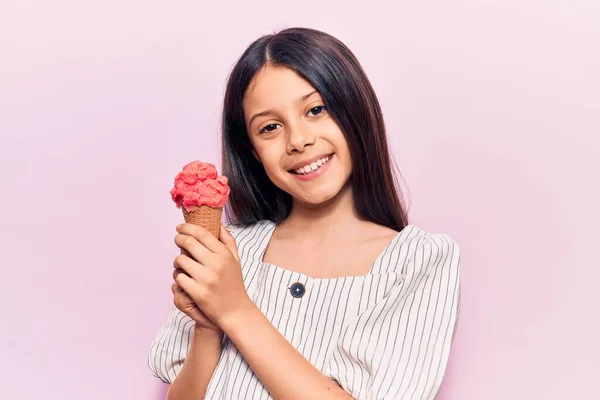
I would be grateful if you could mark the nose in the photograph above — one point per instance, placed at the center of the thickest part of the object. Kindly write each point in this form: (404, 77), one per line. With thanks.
(300, 137)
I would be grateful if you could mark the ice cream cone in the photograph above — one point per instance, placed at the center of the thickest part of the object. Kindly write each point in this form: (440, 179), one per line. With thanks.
(205, 216)
(201, 193)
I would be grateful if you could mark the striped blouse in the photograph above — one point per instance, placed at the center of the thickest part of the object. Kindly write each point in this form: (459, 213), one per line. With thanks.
(383, 335)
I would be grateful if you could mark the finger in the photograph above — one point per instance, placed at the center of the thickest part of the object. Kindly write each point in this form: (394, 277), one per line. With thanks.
(188, 285)
(184, 264)
(175, 287)
(182, 301)
(195, 249)
(177, 294)
(229, 242)
(201, 235)
(176, 272)
(185, 298)
(180, 294)
(200, 274)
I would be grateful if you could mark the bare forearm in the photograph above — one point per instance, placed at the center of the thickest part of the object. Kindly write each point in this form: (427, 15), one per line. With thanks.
(199, 366)
(285, 372)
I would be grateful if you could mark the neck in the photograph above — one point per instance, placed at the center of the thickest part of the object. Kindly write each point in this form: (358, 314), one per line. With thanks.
(335, 215)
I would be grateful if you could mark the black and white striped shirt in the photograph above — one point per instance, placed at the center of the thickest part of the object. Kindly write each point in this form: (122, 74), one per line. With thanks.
(384, 335)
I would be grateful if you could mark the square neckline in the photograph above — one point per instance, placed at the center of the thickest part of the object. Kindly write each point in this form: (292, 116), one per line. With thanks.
(307, 278)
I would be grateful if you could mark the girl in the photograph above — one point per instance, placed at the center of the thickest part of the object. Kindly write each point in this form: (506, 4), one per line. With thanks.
(319, 289)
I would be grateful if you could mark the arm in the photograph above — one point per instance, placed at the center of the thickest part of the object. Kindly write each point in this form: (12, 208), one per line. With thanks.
(186, 350)
(188, 345)
(278, 365)
(200, 363)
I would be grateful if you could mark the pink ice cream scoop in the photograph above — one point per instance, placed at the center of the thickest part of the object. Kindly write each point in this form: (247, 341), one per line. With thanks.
(201, 193)
(199, 185)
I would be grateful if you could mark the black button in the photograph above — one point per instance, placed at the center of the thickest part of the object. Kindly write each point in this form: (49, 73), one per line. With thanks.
(297, 290)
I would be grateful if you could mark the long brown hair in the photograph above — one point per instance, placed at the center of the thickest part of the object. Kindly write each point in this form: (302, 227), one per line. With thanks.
(336, 74)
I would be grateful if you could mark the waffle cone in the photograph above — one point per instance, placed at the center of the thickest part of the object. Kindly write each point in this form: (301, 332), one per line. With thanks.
(207, 217)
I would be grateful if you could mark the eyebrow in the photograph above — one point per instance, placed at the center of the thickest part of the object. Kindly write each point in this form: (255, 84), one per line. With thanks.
(269, 112)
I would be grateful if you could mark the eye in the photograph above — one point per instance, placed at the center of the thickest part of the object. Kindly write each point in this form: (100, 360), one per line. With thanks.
(316, 110)
(269, 128)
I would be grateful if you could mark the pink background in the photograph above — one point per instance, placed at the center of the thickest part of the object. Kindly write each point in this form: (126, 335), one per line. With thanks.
(493, 111)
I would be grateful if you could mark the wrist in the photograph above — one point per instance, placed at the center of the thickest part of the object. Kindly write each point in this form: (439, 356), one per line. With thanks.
(200, 330)
(241, 317)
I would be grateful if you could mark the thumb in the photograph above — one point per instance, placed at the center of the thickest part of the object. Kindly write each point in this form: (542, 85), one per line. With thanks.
(229, 242)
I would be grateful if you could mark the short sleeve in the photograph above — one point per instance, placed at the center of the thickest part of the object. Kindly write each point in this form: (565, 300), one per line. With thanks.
(399, 348)
(170, 346)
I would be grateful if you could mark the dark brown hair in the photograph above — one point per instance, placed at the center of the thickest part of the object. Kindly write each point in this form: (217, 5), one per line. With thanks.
(336, 74)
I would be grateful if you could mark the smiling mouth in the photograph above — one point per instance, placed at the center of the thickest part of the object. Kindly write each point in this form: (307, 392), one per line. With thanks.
(309, 168)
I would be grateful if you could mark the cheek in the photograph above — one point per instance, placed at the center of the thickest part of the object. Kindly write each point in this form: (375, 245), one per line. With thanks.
(261, 152)
(271, 162)
(272, 168)
(347, 157)
(343, 150)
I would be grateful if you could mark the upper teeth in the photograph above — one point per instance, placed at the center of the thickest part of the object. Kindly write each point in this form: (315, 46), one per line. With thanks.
(313, 166)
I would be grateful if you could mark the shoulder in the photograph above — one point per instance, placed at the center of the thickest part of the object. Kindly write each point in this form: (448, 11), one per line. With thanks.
(421, 249)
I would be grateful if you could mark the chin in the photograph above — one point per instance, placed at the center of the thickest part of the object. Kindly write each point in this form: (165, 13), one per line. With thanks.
(317, 201)
(320, 197)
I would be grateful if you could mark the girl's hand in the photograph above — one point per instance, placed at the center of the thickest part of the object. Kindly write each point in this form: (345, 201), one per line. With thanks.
(213, 274)
(186, 305)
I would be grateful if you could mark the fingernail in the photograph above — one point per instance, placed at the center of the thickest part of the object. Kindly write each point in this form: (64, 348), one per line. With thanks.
(179, 226)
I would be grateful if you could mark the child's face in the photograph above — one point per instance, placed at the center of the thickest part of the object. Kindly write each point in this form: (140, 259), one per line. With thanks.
(290, 128)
